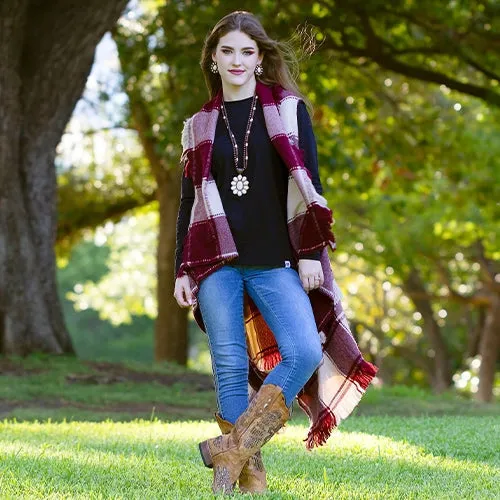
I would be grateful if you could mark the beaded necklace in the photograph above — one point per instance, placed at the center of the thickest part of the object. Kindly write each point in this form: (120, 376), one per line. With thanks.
(240, 184)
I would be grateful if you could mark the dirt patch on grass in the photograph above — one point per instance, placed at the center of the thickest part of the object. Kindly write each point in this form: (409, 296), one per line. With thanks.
(108, 373)
(13, 368)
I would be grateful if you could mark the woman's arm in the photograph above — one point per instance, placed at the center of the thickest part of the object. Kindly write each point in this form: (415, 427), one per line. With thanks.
(183, 217)
(307, 143)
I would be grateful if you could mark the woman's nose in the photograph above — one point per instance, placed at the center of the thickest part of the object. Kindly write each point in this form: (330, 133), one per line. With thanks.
(236, 59)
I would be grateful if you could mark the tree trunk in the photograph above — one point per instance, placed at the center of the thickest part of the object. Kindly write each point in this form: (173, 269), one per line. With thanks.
(46, 53)
(415, 289)
(488, 349)
(171, 340)
(474, 330)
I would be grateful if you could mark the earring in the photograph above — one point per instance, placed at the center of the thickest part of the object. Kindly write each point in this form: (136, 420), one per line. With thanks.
(214, 68)
(259, 70)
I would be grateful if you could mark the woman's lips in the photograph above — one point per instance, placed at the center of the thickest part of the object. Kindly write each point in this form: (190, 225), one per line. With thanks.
(236, 71)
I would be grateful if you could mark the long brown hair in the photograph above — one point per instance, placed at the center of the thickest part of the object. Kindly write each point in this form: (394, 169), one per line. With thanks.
(278, 63)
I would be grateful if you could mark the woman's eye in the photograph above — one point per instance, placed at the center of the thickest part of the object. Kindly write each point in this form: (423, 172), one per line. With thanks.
(226, 51)
(248, 52)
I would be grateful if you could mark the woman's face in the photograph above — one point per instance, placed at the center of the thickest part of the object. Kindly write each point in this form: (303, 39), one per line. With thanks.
(236, 56)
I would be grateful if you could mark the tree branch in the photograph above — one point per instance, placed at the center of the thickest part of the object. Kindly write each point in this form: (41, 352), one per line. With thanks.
(94, 214)
(489, 268)
(485, 71)
(144, 128)
(478, 298)
(385, 55)
(95, 131)
(428, 51)
(386, 61)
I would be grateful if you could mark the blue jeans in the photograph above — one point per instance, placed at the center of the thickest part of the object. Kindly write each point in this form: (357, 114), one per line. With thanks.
(282, 301)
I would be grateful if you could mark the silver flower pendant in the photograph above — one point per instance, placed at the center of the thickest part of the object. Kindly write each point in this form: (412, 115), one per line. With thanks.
(239, 185)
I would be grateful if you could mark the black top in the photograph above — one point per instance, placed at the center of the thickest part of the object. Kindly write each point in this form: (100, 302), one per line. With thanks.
(258, 218)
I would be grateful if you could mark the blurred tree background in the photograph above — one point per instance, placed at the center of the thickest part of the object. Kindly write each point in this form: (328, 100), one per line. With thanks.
(406, 101)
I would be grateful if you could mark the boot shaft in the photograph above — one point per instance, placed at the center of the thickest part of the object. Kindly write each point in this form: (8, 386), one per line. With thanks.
(266, 414)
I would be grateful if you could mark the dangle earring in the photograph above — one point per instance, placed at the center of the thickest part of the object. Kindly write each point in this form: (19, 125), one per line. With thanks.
(214, 68)
(259, 70)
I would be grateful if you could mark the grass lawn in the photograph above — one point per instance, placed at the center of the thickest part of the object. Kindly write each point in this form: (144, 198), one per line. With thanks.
(95, 431)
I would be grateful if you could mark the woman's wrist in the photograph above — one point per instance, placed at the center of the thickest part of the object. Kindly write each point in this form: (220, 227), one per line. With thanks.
(316, 255)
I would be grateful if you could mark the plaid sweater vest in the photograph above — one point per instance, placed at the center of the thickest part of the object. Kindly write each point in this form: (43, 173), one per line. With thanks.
(343, 376)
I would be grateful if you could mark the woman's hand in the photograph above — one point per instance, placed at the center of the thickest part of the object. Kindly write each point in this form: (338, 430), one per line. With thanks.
(182, 291)
(310, 274)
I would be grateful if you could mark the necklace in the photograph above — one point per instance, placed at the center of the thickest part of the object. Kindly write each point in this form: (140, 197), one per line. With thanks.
(239, 184)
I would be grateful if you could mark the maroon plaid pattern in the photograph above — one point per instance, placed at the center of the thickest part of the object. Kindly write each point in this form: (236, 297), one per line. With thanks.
(336, 387)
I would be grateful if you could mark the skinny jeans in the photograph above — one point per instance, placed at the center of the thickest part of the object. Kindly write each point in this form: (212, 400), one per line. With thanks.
(285, 306)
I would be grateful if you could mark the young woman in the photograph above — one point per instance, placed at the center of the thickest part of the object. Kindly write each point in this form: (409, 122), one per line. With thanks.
(251, 254)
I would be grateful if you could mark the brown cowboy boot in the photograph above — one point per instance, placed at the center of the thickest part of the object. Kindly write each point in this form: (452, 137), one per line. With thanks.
(253, 475)
(228, 454)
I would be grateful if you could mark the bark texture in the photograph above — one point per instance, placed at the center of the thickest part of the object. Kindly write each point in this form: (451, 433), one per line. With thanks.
(46, 53)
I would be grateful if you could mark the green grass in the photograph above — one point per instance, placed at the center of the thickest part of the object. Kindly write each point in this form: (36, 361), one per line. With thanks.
(130, 440)
(371, 457)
